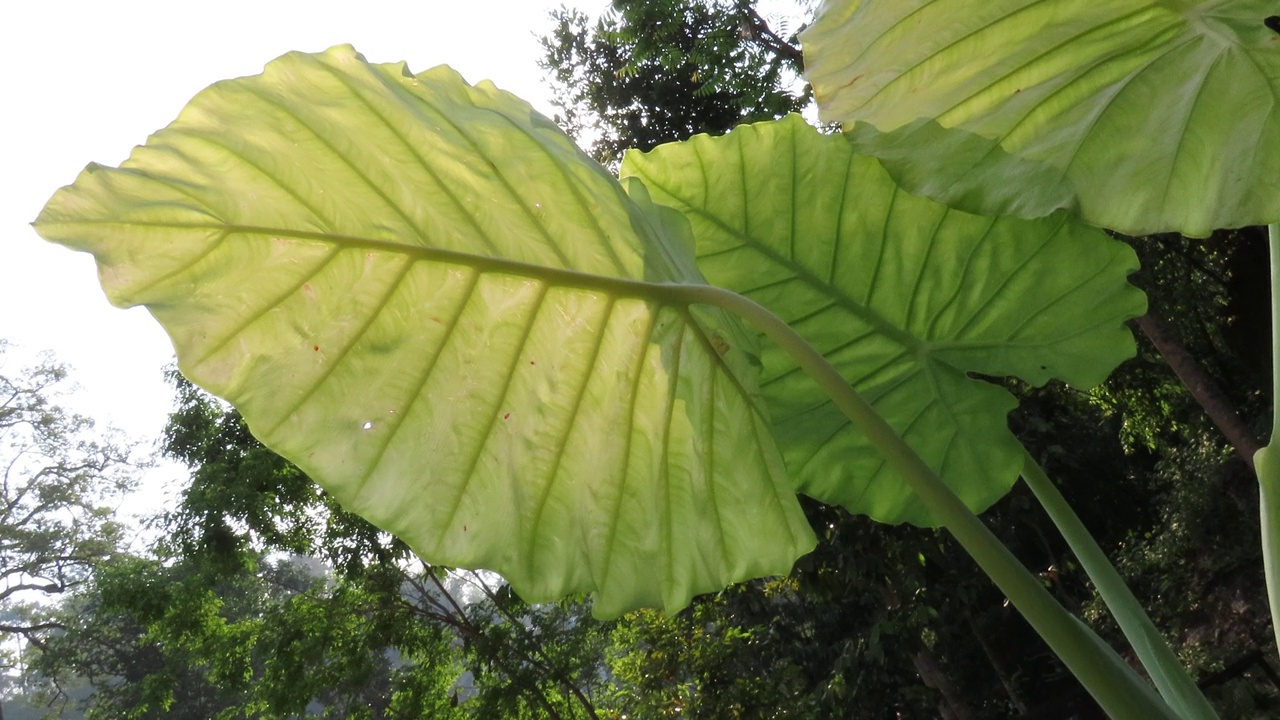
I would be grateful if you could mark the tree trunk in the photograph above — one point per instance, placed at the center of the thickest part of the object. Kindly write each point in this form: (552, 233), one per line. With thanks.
(1014, 698)
(952, 707)
(1204, 388)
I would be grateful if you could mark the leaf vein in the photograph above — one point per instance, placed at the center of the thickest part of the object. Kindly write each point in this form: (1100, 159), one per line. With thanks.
(427, 369)
(494, 413)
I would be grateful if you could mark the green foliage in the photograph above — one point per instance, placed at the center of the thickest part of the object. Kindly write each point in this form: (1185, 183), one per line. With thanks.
(109, 640)
(841, 640)
(227, 621)
(177, 640)
(652, 72)
(703, 664)
(59, 480)
(245, 501)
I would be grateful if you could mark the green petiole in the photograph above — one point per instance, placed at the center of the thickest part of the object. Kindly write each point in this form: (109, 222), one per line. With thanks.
(1117, 688)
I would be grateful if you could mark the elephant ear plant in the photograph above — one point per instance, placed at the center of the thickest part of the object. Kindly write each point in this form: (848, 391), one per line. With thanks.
(422, 293)
(1136, 115)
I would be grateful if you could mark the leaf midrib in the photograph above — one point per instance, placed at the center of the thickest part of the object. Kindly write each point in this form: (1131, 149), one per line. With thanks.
(664, 293)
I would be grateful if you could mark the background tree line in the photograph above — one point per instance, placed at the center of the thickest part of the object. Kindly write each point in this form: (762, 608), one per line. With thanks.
(263, 598)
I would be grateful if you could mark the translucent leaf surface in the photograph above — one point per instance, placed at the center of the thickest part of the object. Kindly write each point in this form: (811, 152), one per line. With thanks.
(904, 296)
(423, 294)
(1142, 116)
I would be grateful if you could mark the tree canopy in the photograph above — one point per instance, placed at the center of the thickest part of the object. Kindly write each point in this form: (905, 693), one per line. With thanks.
(650, 72)
(61, 480)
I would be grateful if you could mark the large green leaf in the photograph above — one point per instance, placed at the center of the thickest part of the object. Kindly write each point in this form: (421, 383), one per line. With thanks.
(424, 295)
(1142, 116)
(904, 296)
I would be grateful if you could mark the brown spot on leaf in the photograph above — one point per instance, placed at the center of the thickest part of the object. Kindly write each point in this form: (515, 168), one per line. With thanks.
(720, 344)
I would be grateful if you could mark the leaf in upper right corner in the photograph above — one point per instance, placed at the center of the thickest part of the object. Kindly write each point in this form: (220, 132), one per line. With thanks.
(906, 298)
(1140, 116)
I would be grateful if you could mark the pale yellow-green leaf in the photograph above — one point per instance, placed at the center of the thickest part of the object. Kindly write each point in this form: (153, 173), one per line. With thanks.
(427, 297)
(1139, 115)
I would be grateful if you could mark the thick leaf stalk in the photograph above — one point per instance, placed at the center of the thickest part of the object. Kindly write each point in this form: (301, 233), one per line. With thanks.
(1115, 686)
(1166, 671)
(1266, 462)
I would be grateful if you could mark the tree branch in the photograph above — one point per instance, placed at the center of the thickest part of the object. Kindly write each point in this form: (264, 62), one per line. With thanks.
(757, 30)
(547, 665)
(50, 589)
(29, 631)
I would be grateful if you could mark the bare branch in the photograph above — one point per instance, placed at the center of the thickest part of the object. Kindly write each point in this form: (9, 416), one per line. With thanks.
(756, 29)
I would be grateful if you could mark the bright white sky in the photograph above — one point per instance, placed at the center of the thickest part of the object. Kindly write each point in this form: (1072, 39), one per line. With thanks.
(87, 80)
